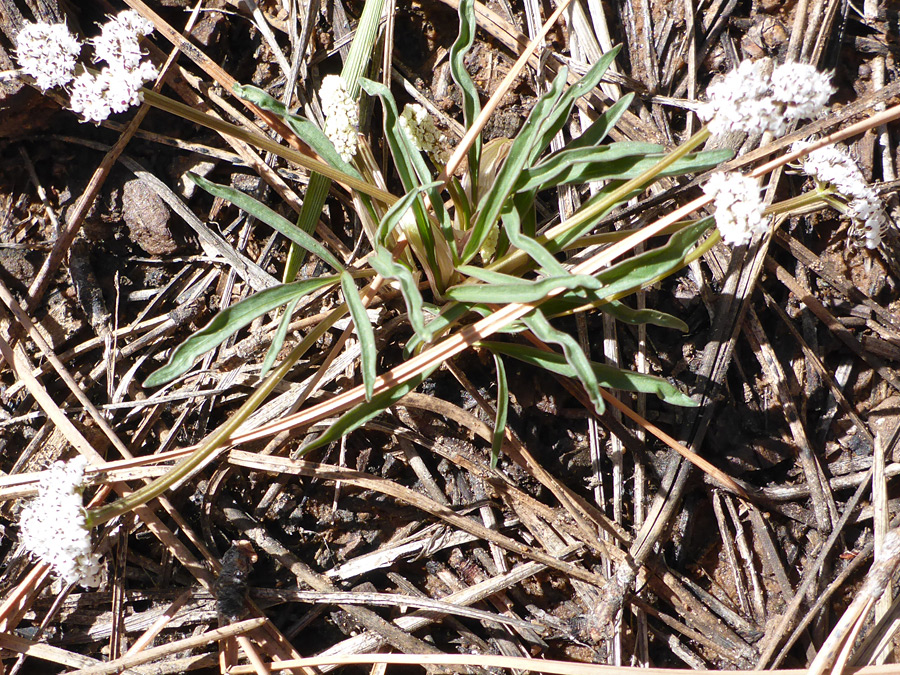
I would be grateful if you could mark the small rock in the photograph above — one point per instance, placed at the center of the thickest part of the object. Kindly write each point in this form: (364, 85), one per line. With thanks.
(147, 217)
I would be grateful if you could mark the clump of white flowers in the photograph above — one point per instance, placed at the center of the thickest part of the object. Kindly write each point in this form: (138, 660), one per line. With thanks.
(119, 41)
(341, 116)
(739, 210)
(758, 97)
(418, 125)
(118, 86)
(52, 526)
(48, 52)
(833, 167)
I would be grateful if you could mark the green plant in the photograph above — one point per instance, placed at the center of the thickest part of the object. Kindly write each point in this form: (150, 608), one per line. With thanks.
(483, 249)
(475, 241)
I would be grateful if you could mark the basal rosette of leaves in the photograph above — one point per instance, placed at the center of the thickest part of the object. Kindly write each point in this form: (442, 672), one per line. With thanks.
(476, 241)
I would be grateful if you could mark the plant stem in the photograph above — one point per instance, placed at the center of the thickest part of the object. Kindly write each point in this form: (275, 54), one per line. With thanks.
(265, 143)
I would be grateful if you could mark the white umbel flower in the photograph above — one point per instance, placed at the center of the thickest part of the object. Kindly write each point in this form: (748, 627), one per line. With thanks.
(52, 526)
(114, 90)
(88, 98)
(341, 116)
(48, 53)
(833, 166)
(756, 97)
(739, 210)
(418, 125)
(119, 41)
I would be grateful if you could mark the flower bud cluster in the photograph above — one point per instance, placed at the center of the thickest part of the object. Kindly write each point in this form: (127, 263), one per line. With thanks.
(419, 128)
(759, 96)
(341, 115)
(52, 526)
(48, 52)
(833, 166)
(739, 210)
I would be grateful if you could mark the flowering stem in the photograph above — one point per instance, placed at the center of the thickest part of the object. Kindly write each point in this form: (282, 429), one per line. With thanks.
(808, 201)
(264, 143)
(186, 467)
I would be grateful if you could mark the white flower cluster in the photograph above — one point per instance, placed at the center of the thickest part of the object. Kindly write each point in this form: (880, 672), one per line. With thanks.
(757, 97)
(341, 115)
(52, 526)
(48, 53)
(739, 210)
(118, 42)
(118, 86)
(419, 128)
(834, 166)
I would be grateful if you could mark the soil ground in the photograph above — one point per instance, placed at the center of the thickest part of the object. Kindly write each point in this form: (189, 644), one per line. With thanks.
(793, 348)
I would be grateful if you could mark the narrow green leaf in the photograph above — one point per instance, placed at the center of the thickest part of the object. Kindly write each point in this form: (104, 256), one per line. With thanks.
(363, 46)
(514, 214)
(443, 320)
(562, 240)
(310, 212)
(611, 162)
(229, 321)
(356, 417)
(596, 133)
(574, 355)
(269, 217)
(636, 317)
(278, 339)
(568, 303)
(395, 214)
(607, 376)
(317, 190)
(389, 268)
(489, 276)
(411, 167)
(409, 162)
(496, 293)
(471, 104)
(631, 274)
(364, 332)
(502, 410)
(460, 202)
(559, 114)
(492, 203)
